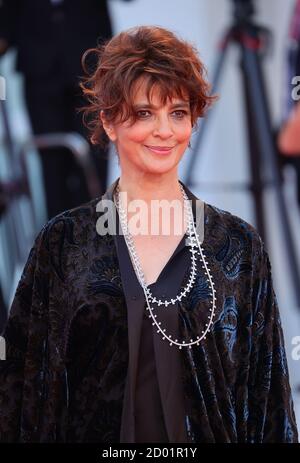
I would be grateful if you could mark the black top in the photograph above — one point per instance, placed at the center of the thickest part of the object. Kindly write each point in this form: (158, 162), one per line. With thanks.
(155, 411)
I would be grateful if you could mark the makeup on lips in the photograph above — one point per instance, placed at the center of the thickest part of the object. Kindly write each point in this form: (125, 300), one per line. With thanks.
(159, 149)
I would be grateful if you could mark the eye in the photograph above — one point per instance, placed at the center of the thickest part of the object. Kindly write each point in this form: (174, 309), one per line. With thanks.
(143, 114)
(180, 113)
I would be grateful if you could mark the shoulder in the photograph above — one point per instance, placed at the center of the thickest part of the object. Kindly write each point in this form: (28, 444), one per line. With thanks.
(68, 243)
(79, 222)
(68, 236)
(228, 229)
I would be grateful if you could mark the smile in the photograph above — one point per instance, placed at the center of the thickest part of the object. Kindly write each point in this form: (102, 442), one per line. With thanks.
(160, 149)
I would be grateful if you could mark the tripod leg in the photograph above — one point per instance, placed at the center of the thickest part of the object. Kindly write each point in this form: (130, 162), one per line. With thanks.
(204, 124)
(257, 95)
(256, 185)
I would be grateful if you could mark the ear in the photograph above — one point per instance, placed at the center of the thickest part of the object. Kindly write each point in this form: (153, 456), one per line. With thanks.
(108, 127)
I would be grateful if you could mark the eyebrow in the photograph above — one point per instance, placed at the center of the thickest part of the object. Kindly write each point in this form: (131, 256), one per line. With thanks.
(182, 104)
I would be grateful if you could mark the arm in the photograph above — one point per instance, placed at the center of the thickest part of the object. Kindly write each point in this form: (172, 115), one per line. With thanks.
(271, 414)
(24, 331)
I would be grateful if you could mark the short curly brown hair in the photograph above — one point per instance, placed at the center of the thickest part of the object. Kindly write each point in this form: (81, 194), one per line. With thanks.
(153, 53)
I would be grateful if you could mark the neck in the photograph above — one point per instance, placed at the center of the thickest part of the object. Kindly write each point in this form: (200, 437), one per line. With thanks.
(147, 189)
(159, 189)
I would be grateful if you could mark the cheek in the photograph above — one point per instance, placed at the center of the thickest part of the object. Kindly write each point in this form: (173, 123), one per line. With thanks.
(140, 132)
(184, 133)
(137, 134)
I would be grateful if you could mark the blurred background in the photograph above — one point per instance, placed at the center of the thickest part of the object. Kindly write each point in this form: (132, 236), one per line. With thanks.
(47, 165)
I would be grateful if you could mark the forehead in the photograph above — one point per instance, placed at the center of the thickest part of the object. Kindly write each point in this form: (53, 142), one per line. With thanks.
(156, 93)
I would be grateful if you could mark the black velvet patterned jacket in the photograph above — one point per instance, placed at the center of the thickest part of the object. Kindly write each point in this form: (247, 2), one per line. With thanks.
(67, 339)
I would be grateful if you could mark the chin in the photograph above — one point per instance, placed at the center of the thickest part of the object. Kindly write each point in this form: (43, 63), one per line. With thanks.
(162, 164)
(159, 171)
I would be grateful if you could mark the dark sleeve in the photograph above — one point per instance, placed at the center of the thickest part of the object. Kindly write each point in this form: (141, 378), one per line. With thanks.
(24, 333)
(271, 414)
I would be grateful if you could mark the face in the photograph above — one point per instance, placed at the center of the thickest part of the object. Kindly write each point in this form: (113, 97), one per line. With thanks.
(157, 140)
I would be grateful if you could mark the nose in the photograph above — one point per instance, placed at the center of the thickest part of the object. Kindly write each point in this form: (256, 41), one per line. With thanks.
(163, 127)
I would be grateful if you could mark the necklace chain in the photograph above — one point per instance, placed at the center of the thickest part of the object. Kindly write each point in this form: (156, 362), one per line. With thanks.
(193, 242)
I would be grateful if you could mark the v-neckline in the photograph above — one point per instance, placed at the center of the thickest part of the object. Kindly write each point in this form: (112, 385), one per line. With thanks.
(178, 248)
(180, 245)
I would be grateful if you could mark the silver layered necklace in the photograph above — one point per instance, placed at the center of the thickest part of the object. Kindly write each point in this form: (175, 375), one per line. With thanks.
(195, 249)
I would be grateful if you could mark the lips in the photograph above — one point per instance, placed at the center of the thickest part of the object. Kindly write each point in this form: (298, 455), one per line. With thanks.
(160, 149)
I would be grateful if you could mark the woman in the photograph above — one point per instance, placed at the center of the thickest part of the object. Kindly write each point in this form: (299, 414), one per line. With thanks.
(119, 334)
